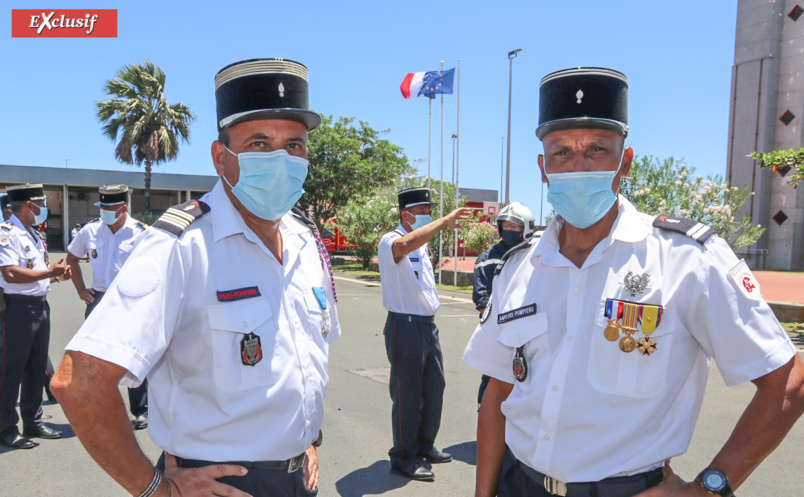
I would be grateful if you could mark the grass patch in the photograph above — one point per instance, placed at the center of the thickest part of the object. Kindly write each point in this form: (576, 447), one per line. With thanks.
(793, 327)
(354, 268)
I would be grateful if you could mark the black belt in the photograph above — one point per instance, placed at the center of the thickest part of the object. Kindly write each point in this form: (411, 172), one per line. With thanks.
(555, 487)
(33, 298)
(412, 318)
(291, 465)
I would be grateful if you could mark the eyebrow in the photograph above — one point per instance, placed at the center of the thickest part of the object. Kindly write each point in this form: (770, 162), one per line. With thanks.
(263, 136)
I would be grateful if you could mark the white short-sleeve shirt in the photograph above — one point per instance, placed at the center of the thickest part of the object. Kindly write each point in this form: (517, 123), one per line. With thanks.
(107, 251)
(23, 248)
(587, 410)
(408, 287)
(178, 313)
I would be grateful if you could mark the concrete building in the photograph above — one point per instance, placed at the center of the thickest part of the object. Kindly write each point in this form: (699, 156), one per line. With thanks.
(767, 113)
(72, 193)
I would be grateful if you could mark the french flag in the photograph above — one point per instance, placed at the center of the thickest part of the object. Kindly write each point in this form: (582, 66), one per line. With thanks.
(412, 84)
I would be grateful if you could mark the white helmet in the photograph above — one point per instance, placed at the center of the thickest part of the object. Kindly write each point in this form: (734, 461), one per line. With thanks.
(518, 214)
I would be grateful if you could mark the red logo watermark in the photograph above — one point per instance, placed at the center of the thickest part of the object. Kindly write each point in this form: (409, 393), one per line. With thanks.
(64, 23)
(748, 285)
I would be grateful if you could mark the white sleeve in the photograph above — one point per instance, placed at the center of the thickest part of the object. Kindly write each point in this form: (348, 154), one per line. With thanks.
(741, 334)
(135, 321)
(78, 247)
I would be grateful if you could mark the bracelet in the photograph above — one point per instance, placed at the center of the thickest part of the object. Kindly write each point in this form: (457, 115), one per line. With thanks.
(154, 484)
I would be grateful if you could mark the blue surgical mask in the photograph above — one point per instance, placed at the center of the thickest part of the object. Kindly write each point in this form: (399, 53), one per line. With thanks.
(109, 217)
(582, 198)
(421, 220)
(270, 183)
(41, 217)
(511, 237)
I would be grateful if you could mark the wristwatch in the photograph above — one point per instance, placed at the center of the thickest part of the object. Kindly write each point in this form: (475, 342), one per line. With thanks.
(716, 482)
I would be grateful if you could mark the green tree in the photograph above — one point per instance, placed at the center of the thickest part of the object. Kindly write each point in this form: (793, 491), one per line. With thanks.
(139, 115)
(364, 220)
(478, 235)
(781, 159)
(672, 188)
(348, 161)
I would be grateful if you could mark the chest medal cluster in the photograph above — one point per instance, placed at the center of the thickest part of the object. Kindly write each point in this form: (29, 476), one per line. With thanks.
(623, 319)
(321, 297)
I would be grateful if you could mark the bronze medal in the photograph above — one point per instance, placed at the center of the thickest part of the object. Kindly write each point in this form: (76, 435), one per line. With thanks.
(628, 344)
(520, 365)
(612, 331)
(94, 254)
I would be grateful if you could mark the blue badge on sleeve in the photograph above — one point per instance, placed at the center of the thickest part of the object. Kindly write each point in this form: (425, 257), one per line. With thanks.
(320, 296)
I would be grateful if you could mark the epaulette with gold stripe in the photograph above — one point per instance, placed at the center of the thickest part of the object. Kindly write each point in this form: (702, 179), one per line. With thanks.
(176, 219)
(297, 213)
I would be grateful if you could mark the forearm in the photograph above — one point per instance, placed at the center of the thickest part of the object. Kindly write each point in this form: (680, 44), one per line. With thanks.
(418, 237)
(76, 275)
(18, 274)
(87, 391)
(777, 404)
(490, 438)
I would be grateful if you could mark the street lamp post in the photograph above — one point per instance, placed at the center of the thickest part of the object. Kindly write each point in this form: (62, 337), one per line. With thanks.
(511, 57)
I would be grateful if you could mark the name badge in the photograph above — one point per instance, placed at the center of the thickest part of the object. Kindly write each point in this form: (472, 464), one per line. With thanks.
(521, 312)
(238, 294)
(413, 259)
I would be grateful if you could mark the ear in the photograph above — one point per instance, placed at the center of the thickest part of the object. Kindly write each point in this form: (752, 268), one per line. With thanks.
(628, 159)
(218, 157)
(541, 167)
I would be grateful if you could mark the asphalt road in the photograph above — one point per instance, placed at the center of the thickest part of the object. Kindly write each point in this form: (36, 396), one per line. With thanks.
(357, 429)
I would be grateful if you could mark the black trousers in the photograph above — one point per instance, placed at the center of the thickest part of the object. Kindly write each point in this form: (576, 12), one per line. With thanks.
(23, 361)
(257, 482)
(416, 387)
(137, 397)
(516, 480)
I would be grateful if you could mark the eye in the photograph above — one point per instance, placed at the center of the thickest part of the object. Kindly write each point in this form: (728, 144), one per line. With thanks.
(259, 144)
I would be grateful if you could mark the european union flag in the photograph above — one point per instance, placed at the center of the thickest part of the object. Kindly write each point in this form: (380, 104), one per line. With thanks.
(435, 82)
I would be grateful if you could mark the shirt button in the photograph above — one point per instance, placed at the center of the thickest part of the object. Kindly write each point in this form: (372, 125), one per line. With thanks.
(569, 339)
(576, 289)
(555, 388)
(547, 437)
(245, 324)
(517, 339)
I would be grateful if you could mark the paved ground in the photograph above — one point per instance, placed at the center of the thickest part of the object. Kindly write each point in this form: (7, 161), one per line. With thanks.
(357, 427)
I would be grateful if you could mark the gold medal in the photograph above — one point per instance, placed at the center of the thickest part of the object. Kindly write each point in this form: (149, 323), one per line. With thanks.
(628, 344)
(612, 331)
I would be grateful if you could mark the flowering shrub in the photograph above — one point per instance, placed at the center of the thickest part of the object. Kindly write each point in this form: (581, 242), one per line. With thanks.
(477, 235)
(781, 159)
(672, 188)
(364, 221)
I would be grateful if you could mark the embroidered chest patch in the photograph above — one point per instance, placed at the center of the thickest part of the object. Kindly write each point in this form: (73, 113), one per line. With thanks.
(521, 312)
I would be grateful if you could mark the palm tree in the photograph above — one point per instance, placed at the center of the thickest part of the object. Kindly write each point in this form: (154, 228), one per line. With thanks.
(148, 127)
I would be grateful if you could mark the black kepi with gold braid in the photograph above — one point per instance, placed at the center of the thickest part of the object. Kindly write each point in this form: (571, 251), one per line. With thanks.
(263, 89)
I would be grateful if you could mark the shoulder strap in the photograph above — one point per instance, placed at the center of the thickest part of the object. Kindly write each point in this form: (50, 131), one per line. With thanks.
(326, 264)
(688, 227)
(514, 250)
(176, 219)
(7, 226)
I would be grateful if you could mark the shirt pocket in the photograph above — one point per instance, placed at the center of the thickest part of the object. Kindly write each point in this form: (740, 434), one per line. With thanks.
(229, 323)
(531, 333)
(630, 374)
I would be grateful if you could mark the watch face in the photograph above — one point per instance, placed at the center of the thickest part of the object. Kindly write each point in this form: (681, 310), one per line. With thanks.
(714, 482)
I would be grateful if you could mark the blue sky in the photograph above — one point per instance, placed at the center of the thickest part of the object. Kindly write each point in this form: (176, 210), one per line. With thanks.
(677, 56)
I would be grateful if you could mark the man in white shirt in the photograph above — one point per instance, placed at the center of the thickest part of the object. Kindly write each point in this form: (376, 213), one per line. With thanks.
(599, 338)
(108, 241)
(25, 316)
(227, 306)
(410, 296)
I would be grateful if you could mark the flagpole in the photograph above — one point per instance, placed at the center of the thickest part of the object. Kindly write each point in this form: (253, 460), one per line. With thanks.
(457, 173)
(441, 196)
(429, 139)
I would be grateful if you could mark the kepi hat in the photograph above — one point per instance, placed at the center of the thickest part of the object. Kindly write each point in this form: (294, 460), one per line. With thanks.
(28, 191)
(112, 195)
(583, 98)
(263, 89)
(412, 197)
